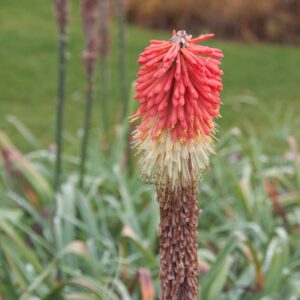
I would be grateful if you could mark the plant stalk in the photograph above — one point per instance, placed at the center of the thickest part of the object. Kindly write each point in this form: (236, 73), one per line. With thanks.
(62, 41)
(104, 51)
(122, 53)
(87, 125)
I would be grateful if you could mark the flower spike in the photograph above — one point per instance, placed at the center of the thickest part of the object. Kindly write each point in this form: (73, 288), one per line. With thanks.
(178, 87)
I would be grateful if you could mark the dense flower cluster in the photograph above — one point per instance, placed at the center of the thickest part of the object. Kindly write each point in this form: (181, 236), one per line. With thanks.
(178, 90)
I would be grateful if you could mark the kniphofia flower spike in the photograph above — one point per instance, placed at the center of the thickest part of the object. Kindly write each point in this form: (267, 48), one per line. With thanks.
(178, 87)
(178, 90)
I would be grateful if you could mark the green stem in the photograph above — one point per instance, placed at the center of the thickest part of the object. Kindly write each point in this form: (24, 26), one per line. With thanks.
(104, 50)
(60, 105)
(122, 52)
(87, 123)
(104, 87)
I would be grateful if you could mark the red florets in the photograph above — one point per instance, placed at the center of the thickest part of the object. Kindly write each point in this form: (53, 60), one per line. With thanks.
(178, 87)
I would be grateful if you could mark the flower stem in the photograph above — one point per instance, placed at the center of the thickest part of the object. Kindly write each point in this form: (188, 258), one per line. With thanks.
(60, 105)
(104, 90)
(122, 53)
(86, 129)
(104, 51)
(178, 243)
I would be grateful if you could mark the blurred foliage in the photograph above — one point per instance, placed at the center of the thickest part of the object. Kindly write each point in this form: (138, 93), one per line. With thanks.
(269, 20)
(101, 243)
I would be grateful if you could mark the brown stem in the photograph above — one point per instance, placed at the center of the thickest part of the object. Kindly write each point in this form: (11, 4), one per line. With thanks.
(178, 243)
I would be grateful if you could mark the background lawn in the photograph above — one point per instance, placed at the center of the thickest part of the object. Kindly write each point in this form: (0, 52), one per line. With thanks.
(266, 73)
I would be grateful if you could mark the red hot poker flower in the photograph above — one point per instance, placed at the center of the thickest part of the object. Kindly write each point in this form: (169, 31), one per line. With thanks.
(178, 88)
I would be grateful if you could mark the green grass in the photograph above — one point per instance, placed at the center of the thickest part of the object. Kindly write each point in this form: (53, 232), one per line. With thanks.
(28, 60)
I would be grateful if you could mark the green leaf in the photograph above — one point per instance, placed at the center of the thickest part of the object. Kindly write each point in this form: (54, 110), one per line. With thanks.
(215, 279)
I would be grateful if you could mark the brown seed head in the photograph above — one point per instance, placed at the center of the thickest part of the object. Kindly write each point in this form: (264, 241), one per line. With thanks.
(104, 28)
(61, 11)
(179, 269)
(90, 12)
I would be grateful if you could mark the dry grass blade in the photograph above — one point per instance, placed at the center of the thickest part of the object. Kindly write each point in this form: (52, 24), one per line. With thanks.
(144, 278)
(271, 187)
(147, 289)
